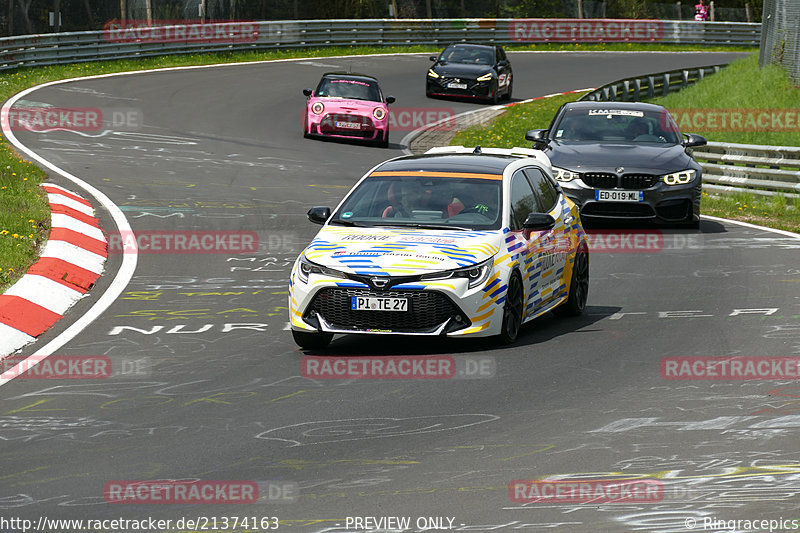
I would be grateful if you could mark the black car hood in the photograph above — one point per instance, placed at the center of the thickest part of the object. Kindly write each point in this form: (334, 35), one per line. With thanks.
(460, 70)
(641, 158)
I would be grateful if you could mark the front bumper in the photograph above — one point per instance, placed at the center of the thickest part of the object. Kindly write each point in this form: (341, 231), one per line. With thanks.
(436, 308)
(660, 203)
(325, 125)
(475, 89)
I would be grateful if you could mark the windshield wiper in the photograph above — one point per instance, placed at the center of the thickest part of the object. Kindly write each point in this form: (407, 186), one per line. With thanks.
(425, 226)
(350, 223)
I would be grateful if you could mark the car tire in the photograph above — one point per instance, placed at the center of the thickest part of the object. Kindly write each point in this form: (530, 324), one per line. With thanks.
(578, 286)
(512, 309)
(312, 341)
(510, 89)
(383, 143)
(496, 98)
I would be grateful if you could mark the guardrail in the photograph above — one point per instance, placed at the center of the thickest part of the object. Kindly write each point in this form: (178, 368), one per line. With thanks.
(56, 48)
(650, 85)
(766, 170)
(727, 167)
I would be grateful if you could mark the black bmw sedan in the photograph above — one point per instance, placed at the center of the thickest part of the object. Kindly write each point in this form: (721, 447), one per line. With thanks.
(476, 71)
(624, 160)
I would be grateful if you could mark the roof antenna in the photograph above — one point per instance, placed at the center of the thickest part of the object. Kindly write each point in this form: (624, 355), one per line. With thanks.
(477, 150)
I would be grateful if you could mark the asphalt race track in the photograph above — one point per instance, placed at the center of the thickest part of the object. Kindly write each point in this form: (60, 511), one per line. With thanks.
(212, 386)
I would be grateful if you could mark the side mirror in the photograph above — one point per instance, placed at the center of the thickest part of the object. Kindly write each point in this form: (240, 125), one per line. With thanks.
(390, 99)
(539, 222)
(537, 136)
(694, 140)
(308, 92)
(319, 215)
(433, 58)
(502, 63)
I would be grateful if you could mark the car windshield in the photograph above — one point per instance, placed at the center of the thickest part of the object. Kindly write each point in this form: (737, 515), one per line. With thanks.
(426, 201)
(608, 124)
(349, 88)
(470, 56)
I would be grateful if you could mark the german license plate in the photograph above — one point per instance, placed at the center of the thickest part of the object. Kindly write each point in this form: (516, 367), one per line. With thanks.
(364, 303)
(619, 196)
(348, 125)
(452, 85)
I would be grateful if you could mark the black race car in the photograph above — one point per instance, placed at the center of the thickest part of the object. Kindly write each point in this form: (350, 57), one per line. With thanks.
(624, 160)
(471, 71)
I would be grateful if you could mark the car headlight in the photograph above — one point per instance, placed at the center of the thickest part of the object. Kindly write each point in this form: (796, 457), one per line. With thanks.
(562, 174)
(317, 108)
(679, 178)
(379, 113)
(485, 77)
(476, 274)
(432, 73)
(307, 268)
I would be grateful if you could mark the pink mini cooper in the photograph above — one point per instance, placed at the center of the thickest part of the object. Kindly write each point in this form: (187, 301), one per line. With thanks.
(348, 106)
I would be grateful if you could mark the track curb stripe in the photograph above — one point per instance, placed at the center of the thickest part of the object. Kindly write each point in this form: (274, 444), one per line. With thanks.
(70, 262)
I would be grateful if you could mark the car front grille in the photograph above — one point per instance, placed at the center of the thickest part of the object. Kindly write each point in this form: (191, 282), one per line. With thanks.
(426, 310)
(328, 125)
(607, 180)
(638, 181)
(599, 180)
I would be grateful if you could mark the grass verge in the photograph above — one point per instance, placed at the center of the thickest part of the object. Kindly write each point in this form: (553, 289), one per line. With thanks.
(25, 215)
(739, 85)
(709, 107)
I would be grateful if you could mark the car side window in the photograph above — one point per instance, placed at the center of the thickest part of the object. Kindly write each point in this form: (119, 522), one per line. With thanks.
(546, 194)
(523, 201)
(501, 54)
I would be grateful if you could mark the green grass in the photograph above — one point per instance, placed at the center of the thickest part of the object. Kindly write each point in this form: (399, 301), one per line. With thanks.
(775, 212)
(740, 86)
(22, 201)
(24, 216)
(509, 129)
